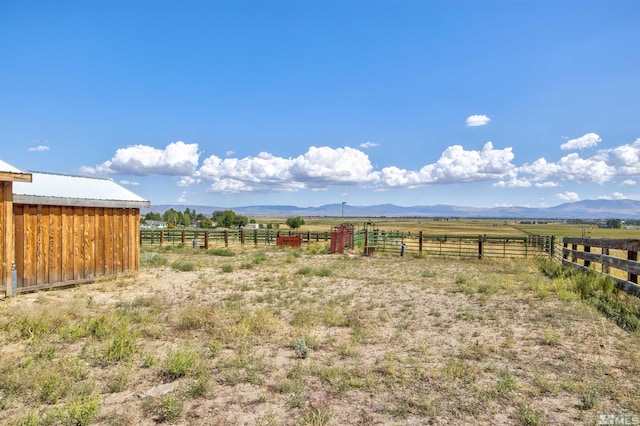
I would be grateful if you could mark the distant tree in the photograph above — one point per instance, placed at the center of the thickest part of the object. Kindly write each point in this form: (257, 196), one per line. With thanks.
(171, 217)
(224, 218)
(295, 222)
(153, 216)
(240, 221)
(206, 223)
(614, 223)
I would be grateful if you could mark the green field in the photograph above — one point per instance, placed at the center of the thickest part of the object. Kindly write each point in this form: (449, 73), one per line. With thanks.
(465, 226)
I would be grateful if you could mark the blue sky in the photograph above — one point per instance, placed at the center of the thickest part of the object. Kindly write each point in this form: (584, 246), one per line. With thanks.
(236, 103)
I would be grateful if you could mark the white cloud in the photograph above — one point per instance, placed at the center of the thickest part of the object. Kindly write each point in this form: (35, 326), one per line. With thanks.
(230, 186)
(188, 181)
(129, 183)
(568, 196)
(586, 141)
(477, 120)
(628, 182)
(614, 196)
(229, 153)
(571, 168)
(177, 159)
(454, 165)
(39, 148)
(182, 198)
(368, 144)
(547, 185)
(626, 159)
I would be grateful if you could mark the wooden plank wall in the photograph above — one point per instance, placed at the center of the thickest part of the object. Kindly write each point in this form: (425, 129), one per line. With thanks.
(60, 245)
(6, 235)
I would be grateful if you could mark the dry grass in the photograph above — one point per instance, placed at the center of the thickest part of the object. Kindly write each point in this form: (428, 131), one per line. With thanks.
(292, 337)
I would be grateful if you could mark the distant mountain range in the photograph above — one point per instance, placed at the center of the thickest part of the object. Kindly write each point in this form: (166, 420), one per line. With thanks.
(587, 209)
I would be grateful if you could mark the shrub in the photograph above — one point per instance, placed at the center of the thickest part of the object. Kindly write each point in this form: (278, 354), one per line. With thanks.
(178, 363)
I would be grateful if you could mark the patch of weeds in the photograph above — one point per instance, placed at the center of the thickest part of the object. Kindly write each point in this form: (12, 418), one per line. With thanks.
(305, 270)
(545, 386)
(323, 272)
(178, 363)
(551, 337)
(429, 274)
(220, 252)
(119, 381)
(317, 248)
(259, 258)
(167, 409)
(506, 384)
(590, 399)
(121, 347)
(149, 361)
(316, 415)
(201, 384)
(465, 316)
(526, 415)
(305, 317)
(152, 259)
(184, 265)
(227, 268)
(215, 346)
(52, 386)
(301, 349)
(420, 403)
(78, 411)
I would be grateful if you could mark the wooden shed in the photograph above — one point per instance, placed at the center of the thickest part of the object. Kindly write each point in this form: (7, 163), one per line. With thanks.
(60, 230)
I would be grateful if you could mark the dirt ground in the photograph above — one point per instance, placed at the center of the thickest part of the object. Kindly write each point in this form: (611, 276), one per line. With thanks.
(270, 337)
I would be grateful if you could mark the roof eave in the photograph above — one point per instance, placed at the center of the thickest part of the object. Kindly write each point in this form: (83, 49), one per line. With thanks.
(78, 202)
(16, 177)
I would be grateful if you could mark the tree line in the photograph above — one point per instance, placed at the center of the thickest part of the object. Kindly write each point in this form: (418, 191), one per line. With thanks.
(220, 218)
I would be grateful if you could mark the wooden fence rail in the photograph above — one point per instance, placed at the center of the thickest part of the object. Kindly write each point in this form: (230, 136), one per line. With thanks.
(615, 257)
(390, 242)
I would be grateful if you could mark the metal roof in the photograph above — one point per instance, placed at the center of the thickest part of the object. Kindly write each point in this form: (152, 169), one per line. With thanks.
(66, 190)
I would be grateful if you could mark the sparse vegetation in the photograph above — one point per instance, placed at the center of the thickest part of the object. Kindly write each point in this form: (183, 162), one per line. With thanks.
(302, 337)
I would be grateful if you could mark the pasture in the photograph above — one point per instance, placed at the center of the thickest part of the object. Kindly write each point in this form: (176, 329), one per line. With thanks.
(266, 336)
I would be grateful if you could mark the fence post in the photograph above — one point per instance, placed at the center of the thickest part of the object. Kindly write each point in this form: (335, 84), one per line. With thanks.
(587, 263)
(161, 237)
(184, 237)
(242, 237)
(226, 238)
(605, 267)
(420, 243)
(480, 246)
(553, 246)
(255, 237)
(632, 255)
(206, 240)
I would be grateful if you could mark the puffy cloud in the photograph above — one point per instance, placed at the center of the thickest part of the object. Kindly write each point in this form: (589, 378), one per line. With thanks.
(457, 165)
(177, 159)
(183, 197)
(571, 168)
(368, 144)
(129, 182)
(332, 165)
(477, 120)
(626, 159)
(628, 182)
(568, 196)
(39, 148)
(586, 141)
